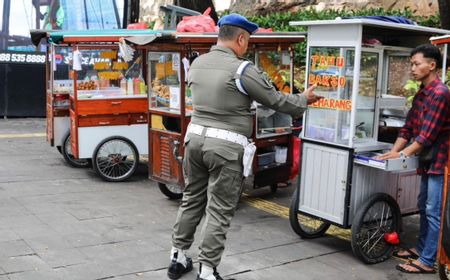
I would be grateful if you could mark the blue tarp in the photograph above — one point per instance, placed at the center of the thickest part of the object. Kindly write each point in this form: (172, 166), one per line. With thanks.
(393, 19)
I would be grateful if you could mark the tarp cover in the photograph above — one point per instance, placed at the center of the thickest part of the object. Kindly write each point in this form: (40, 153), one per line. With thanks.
(393, 19)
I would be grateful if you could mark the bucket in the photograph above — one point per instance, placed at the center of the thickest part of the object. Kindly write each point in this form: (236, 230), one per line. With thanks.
(280, 154)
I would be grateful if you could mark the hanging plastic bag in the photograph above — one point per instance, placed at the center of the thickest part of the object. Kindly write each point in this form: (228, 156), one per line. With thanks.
(200, 23)
(296, 146)
(125, 51)
(77, 59)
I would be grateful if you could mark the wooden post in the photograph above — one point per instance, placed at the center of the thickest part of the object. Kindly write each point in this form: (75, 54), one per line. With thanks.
(442, 257)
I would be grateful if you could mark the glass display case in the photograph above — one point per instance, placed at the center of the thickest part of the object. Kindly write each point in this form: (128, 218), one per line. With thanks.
(277, 66)
(104, 74)
(60, 83)
(163, 72)
(331, 69)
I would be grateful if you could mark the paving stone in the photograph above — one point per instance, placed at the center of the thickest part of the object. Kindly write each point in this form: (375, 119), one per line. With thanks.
(35, 275)
(23, 263)
(8, 235)
(14, 248)
(63, 257)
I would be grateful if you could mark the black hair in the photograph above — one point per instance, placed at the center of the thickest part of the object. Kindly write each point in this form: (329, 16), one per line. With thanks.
(229, 32)
(429, 51)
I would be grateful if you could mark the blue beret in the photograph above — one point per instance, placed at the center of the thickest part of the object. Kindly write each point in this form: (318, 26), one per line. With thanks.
(239, 21)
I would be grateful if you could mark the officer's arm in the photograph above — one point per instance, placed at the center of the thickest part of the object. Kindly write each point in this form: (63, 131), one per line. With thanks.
(260, 89)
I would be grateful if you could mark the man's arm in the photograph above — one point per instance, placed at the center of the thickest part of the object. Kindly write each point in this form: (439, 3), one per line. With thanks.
(262, 91)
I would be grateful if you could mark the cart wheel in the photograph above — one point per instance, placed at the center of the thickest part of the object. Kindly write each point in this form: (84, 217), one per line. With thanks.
(172, 191)
(377, 216)
(444, 271)
(66, 151)
(115, 159)
(306, 227)
(274, 188)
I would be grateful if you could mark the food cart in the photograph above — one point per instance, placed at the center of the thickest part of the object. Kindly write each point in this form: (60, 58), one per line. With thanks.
(107, 102)
(443, 254)
(59, 87)
(170, 105)
(360, 66)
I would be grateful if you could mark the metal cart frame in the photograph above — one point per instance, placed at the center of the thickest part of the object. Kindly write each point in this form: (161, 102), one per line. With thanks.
(339, 182)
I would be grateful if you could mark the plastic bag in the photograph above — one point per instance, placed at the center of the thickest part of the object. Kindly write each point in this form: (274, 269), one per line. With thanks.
(200, 23)
(296, 146)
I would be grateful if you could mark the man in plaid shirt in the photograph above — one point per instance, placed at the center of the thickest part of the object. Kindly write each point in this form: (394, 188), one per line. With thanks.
(427, 128)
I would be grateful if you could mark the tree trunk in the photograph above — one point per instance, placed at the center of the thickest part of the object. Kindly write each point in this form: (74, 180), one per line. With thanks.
(199, 6)
(444, 13)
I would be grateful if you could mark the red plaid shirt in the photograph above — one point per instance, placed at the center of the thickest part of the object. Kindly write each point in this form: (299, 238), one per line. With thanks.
(428, 122)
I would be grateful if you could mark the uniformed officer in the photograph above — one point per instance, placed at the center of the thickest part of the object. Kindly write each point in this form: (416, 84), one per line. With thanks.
(223, 86)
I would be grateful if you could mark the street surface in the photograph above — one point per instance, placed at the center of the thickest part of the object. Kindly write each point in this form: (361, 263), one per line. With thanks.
(58, 222)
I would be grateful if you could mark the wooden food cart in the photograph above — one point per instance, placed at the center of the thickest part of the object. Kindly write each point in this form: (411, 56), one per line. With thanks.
(108, 101)
(361, 67)
(443, 255)
(170, 106)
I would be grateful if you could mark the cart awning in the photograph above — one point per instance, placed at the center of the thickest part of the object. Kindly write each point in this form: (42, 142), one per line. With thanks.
(112, 35)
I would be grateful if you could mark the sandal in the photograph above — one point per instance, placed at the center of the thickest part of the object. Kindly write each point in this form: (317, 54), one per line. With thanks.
(411, 256)
(420, 270)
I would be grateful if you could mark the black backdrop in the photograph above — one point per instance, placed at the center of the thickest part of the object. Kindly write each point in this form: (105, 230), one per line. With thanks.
(22, 90)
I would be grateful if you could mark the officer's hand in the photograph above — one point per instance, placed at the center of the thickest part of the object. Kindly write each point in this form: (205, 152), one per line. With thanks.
(310, 96)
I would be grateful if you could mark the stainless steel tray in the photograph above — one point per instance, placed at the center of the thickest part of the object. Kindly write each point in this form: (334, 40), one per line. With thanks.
(398, 164)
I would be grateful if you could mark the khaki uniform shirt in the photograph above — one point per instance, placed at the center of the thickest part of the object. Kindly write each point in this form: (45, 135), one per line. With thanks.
(218, 102)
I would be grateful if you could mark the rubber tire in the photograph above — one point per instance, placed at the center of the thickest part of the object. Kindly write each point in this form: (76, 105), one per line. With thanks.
(297, 227)
(167, 192)
(358, 222)
(77, 163)
(443, 275)
(130, 173)
(59, 149)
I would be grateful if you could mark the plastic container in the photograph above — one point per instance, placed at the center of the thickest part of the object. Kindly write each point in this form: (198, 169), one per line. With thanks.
(266, 158)
(136, 86)
(129, 86)
(123, 86)
(280, 154)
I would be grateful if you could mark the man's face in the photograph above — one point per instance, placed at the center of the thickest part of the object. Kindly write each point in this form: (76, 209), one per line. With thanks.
(421, 67)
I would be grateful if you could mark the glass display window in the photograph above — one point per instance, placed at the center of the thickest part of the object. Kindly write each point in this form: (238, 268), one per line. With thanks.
(277, 66)
(60, 83)
(399, 80)
(365, 103)
(329, 68)
(105, 74)
(164, 74)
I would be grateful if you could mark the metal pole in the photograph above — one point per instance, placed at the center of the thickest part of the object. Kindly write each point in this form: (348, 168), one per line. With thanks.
(116, 13)
(5, 23)
(86, 14)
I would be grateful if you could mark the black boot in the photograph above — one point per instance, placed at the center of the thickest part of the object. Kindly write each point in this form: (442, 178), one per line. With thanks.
(176, 269)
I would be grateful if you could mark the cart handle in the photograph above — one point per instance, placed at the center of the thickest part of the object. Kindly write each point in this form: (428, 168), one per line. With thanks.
(176, 144)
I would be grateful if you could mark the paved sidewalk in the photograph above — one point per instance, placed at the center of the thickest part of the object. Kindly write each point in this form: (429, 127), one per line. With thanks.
(58, 222)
